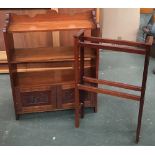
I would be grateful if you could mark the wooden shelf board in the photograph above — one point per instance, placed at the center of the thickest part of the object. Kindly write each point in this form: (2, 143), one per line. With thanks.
(43, 67)
(46, 77)
(45, 54)
(50, 26)
(50, 22)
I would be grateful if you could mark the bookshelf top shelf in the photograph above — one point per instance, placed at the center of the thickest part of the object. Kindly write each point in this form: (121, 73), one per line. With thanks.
(49, 22)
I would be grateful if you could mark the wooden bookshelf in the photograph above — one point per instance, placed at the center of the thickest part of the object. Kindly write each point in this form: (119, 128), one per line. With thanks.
(56, 38)
(43, 78)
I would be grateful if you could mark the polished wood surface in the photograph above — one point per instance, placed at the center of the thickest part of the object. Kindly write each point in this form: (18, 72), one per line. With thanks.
(51, 21)
(30, 40)
(146, 10)
(109, 92)
(3, 57)
(65, 36)
(115, 84)
(55, 25)
(118, 42)
(82, 80)
(40, 39)
(46, 76)
(114, 48)
(47, 54)
(37, 73)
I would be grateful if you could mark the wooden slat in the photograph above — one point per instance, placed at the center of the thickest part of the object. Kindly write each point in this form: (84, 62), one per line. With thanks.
(109, 92)
(114, 48)
(114, 41)
(110, 83)
(146, 10)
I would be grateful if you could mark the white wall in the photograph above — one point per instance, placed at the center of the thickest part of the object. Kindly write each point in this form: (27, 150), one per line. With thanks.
(120, 22)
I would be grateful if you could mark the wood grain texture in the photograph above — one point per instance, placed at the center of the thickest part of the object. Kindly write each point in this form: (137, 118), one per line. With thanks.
(113, 48)
(67, 37)
(50, 22)
(40, 39)
(3, 57)
(109, 92)
(47, 54)
(52, 26)
(33, 70)
(146, 10)
(30, 40)
(110, 83)
(114, 45)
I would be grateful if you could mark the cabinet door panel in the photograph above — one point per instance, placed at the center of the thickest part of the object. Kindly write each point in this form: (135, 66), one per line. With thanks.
(65, 96)
(34, 99)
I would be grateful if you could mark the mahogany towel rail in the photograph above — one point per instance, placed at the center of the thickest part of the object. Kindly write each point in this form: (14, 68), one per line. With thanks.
(81, 86)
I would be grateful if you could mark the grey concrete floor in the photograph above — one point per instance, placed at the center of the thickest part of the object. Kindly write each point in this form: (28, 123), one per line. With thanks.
(114, 124)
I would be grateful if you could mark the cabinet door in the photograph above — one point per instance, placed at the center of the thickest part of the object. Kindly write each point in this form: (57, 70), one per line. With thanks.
(36, 100)
(65, 96)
